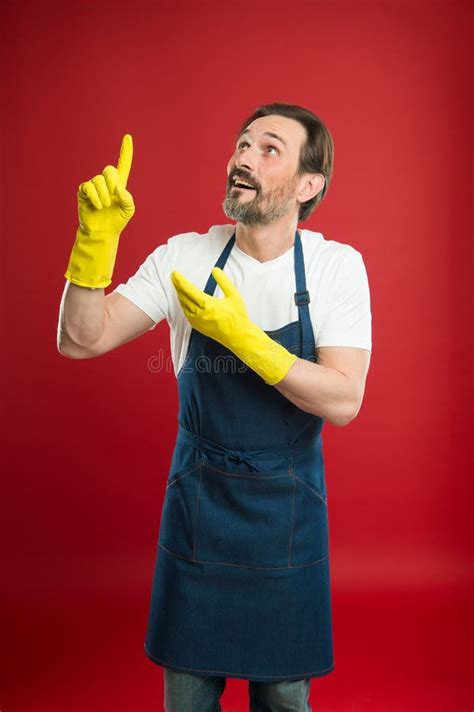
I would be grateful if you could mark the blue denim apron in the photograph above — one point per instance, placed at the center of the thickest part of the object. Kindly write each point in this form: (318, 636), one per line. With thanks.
(241, 585)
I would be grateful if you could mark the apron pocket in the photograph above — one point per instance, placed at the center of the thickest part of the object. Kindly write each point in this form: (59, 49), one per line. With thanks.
(244, 518)
(310, 540)
(178, 517)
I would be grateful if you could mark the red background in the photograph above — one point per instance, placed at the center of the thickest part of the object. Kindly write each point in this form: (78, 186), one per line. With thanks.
(88, 443)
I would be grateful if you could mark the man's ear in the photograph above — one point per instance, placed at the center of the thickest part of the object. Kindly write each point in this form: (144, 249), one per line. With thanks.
(312, 184)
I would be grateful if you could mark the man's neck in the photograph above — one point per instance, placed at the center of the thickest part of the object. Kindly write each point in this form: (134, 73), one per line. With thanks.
(266, 242)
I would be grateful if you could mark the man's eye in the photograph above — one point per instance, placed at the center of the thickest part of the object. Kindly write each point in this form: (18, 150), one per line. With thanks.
(246, 143)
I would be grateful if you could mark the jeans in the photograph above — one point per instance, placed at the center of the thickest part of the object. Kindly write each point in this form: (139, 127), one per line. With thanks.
(195, 693)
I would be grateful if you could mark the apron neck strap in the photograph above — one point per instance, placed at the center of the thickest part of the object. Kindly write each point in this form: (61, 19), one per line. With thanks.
(302, 300)
(211, 282)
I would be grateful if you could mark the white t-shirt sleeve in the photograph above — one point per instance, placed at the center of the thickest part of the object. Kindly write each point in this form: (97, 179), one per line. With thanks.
(346, 318)
(146, 287)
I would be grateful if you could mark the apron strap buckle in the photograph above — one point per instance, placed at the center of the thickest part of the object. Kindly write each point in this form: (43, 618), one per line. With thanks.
(302, 298)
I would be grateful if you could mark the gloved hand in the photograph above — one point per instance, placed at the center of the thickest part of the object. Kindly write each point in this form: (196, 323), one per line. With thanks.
(105, 207)
(226, 320)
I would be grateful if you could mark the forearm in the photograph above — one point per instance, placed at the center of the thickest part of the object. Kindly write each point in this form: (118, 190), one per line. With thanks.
(326, 392)
(320, 390)
(81, 316)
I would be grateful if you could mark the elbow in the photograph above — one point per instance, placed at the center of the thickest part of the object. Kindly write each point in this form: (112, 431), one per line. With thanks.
(70, 350)
(345, 415)
(63, 350)
(350, 409)
(63, 343)
(61, 347)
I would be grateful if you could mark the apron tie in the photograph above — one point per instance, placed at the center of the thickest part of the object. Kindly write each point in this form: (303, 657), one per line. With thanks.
(238, 457)
(250, 457)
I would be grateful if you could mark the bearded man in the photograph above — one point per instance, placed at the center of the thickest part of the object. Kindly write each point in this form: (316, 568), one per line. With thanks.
(270, 336)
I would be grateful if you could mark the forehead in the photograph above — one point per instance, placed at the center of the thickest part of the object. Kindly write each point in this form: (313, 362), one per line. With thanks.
(290, 130)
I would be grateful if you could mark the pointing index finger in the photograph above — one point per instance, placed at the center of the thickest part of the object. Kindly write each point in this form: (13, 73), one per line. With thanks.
(125, 159)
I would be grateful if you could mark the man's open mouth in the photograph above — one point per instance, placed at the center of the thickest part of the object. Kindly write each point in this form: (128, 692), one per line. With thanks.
(242, 184)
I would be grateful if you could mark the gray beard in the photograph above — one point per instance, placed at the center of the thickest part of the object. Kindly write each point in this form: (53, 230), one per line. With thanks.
(260, 210)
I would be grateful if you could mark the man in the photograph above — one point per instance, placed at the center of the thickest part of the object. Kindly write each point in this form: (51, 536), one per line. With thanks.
(271, 335)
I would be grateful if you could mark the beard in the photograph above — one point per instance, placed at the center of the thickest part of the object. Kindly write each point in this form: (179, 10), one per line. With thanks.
(262, 209)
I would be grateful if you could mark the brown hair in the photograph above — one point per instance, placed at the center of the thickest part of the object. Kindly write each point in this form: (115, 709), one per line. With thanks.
(317, 153)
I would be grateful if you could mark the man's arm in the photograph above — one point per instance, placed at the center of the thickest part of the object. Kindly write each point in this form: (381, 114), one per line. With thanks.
(333, 388)
(90, 324)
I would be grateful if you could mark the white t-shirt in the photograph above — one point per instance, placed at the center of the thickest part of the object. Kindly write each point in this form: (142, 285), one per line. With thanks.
(336, 279)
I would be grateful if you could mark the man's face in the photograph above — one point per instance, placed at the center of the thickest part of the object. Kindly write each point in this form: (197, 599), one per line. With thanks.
(269, 163)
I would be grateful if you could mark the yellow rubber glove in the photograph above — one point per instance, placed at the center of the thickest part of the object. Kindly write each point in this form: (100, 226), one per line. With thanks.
(226, 320)
(105, 206)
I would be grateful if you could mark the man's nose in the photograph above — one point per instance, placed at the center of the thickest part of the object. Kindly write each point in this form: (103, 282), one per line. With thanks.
(246, 159)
